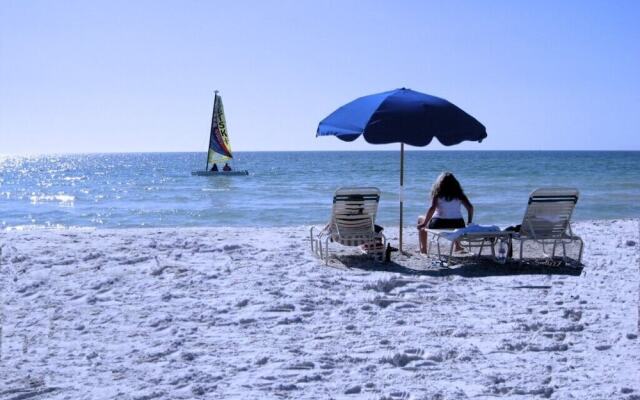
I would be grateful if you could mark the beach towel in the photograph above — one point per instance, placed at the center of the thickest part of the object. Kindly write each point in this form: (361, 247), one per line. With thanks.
(471, 228)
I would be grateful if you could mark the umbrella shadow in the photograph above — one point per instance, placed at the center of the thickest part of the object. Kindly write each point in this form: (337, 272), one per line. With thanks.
(473, 269)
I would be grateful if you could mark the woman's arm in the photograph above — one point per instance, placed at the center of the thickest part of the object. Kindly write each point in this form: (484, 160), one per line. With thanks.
(467, 204)
(430, 211)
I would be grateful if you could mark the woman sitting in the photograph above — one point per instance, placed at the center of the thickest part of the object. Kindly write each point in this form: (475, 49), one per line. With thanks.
(447, 197)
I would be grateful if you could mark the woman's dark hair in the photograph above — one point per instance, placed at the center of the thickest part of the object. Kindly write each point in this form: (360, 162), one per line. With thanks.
(447, 187)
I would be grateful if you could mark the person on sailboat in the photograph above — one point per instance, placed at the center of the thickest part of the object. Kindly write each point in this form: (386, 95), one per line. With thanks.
(226, 167)
(214, 168)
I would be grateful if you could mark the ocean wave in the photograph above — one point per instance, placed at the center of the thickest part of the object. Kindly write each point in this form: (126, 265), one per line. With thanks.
(63, 199)
(35, 227)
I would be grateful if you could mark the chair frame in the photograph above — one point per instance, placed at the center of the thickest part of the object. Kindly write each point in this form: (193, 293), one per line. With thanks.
(554, 230)
(471, 240)
(561, 232)
(352, 222)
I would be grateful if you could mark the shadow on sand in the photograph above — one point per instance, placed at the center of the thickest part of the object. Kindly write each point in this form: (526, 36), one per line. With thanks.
(470, 269)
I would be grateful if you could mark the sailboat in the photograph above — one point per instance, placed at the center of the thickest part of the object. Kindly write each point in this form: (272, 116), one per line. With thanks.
(219, 146)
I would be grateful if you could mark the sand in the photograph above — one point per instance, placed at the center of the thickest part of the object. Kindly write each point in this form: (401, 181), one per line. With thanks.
(251, 313)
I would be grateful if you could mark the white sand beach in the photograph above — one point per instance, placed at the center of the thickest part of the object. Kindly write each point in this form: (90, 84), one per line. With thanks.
(251, 313)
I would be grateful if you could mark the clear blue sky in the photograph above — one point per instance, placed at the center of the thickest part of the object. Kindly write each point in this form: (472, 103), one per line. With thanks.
(93, 76)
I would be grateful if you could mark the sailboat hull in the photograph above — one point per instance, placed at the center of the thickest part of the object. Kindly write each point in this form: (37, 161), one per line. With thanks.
(220, 173)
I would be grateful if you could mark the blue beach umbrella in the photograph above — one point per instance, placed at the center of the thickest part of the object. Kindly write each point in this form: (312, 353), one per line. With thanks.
(402, 116)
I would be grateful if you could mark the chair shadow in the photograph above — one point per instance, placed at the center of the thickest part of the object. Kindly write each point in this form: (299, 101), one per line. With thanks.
(472, 269)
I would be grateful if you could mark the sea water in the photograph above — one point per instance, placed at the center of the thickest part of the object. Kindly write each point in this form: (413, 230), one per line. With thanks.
(295, 188)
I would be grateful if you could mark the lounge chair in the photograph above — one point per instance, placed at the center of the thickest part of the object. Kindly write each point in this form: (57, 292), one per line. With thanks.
(352, 222)
(547, 220)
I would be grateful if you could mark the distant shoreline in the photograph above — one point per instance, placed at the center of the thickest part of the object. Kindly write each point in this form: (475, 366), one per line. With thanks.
(234, 228)
(407, 150)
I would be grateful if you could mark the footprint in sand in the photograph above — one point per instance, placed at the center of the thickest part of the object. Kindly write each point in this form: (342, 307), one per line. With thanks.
(302, 365)
(399, 359)
(573, 315)
(353, 390)
(555, 347)
(282, 308)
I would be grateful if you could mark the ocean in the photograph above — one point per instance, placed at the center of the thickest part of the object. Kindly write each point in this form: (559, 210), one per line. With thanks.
(295, 188)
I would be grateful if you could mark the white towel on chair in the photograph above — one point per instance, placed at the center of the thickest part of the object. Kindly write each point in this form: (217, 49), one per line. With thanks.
(471, 228)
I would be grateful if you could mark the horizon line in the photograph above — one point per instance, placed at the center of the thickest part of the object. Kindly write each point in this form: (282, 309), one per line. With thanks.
(316, 151)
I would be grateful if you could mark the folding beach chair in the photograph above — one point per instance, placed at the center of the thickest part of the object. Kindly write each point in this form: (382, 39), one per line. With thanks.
(547, 220)
(352, 223)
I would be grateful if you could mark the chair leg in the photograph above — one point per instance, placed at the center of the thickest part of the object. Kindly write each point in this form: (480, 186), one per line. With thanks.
(481, 247)
(580, 253)
(319, 245)
(384, 248)
(311, 239)
(326, 256)
(437, 239)
(521, 248)
(450, 253)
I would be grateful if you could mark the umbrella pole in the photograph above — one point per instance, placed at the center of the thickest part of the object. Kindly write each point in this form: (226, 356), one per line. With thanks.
(401, 190)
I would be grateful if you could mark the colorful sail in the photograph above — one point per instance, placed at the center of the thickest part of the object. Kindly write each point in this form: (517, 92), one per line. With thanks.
(219, 147)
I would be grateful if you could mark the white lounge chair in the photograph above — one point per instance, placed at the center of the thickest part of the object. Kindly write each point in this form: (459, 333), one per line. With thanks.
(352, 222)
(547, 220)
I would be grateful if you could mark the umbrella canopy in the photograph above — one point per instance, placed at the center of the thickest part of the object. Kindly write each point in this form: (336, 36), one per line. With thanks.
(402, 116)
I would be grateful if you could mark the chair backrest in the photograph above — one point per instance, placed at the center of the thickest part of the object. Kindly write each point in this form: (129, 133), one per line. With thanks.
(355, 209)
(548, 214)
